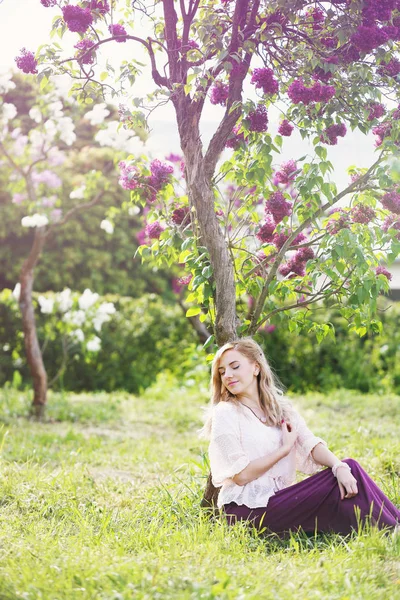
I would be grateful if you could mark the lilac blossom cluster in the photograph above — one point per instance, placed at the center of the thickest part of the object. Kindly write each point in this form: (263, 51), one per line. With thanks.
(280, 238)
(381, 131)
(101, 5)
(392, 222)
(118, 32)
(179, 214)
(258, 119)
(266, 232)
(390, 69)
(76, 18)
(285, 128)
(278, 207)
(382, 271)
(286, 174)
(129, 176)
(84, 56)
(235, 139)
(26, 62)
(342, 222)
(219, 93)
(362, 214)
(264, 79)
(331, 134)
(298, 92)
(154, 230)
(376, 110)
(160, 174)
(297, 264)
(391, 201)
(48, 3)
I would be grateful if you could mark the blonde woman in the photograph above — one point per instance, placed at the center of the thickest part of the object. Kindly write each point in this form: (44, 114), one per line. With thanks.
(257, 441)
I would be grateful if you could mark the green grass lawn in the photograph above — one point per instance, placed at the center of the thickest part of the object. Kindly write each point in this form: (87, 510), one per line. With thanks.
(102, 502)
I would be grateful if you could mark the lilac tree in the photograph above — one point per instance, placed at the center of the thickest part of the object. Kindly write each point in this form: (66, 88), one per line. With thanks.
(37, 159)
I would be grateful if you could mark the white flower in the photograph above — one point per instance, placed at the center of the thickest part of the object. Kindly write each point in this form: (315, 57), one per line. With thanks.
(18, 362)
(75, 318)
(79, 193)
(46, 305)
(97, 115)
(5, 83)
(111, 135)
(35, 114)
(133, 211)
(9, 111)
(107, 226)
(51, 130)
(35, 220)
(65, 300)
(77, 335)
(94, 344)
(87, 299)
(56, 109)
(17, 291)
(66, 128)
(383, 349)
(6, 347)
(106, 308)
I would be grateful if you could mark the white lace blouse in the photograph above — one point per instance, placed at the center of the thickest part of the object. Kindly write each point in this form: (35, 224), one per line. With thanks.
(238, 437)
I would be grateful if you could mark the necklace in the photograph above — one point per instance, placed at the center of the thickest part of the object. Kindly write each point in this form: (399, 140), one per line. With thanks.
(263, 419)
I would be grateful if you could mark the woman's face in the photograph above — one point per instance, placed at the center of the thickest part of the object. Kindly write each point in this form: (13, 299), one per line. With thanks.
(237, 373)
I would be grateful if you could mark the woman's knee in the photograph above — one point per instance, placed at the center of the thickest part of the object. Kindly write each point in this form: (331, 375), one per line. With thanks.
(353, 464)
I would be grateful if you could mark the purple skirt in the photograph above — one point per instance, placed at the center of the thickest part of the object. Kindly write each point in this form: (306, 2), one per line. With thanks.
(314, 505)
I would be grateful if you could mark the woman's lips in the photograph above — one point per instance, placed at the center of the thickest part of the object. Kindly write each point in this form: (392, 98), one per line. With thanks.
(232, 383)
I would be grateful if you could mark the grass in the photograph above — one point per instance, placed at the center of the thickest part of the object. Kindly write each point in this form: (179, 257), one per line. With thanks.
(102, 502)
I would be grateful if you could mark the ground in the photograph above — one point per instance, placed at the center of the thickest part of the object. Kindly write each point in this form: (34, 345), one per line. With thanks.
(102, 502)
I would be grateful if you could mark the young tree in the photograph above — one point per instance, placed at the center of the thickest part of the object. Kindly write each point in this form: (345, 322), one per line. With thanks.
(326, 66)
(33, 148)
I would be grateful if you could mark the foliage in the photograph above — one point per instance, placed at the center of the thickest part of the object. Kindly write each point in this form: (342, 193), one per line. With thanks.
(110, 504)
(138, 339)
(327, 68)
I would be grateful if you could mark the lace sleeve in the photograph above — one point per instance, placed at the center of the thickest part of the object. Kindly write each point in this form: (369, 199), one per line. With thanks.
(227, 457)
(305, 443)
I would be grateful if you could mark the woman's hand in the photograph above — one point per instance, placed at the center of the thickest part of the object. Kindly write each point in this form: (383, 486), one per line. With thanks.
(289, 436)
(347, 483)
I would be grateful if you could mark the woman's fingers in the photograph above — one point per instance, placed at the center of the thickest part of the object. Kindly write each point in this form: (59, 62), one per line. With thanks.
(341, 489)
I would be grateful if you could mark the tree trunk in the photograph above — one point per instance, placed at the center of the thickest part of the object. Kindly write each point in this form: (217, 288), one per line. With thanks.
(32, 348)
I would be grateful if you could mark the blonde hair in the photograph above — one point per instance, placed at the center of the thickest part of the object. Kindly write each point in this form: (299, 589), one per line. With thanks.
(270, 390)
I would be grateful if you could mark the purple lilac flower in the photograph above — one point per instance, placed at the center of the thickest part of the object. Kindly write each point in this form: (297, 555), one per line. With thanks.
(219, 93)
(76, 18)
(298, 92)
(286, 173)
(18, 198)
(376, 110)
(160, 174)
(335, 225)
(378, 10)
(56, 215)
(391, 69)
(48, 3)
(141, 237)
(362, 214)
(154, 230)
(278, 207)
(129, 176)
(118, 32)
(368, 37)
(258, 119)
(235, 139)
(185, 280)
(48, 202)
(317, 18)
(264, 79)
(391, 201)
(285, 128)
(26, 62)
(392, 222)
(266, 231)
(47, 178)
(84, 56)
(101, 5)
(332, 133)
(381, 131)
(174, 158)
(349, 54)
(179, 214)
(329, 42)
(382, 271)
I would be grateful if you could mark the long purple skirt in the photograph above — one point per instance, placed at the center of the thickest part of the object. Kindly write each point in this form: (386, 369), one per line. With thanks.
(314, 505)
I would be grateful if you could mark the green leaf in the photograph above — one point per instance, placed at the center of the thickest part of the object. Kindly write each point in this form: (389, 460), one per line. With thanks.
(103, 76)
(193, 311)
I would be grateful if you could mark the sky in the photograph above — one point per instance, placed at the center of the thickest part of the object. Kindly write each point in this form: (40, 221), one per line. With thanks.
(26, 23)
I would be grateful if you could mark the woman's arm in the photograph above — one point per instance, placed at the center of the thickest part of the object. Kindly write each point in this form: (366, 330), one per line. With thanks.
(259, 466)
(347, 483)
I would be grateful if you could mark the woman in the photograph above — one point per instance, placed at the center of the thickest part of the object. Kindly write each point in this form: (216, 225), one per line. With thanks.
(257, 440)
